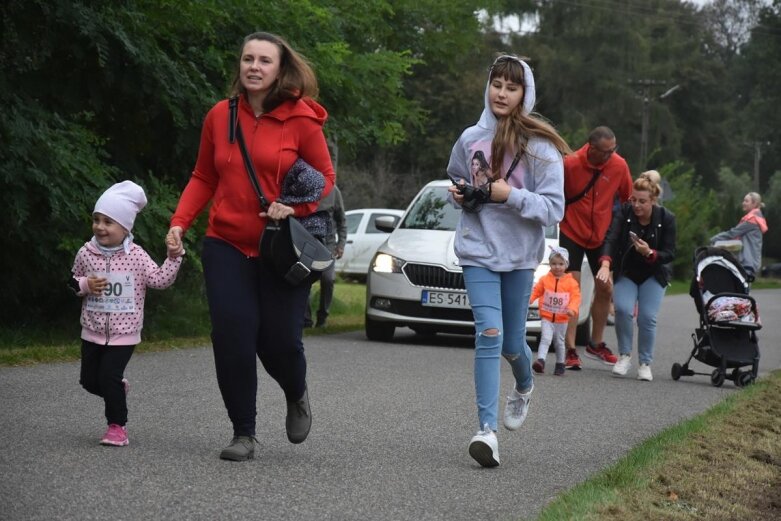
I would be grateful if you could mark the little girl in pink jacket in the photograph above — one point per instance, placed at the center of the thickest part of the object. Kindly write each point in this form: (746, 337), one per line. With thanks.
(112, 273)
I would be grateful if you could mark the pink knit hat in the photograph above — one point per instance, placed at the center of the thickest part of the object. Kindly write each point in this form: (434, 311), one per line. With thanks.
(121, 202)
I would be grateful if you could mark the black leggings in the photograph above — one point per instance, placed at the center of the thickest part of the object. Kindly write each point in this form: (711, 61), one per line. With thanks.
(102, 369)
(253, 313)
(576, 253)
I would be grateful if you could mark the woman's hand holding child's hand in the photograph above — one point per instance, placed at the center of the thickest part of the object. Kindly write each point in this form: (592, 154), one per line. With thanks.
(173, 242)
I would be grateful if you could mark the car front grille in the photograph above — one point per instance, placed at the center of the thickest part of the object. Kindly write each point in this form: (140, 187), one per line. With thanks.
(433, 276)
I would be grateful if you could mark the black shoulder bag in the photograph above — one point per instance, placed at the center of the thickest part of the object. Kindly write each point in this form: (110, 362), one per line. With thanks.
(286, 246)
(594, 176)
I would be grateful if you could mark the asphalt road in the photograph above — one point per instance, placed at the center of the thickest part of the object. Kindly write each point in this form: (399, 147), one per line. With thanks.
(391, 427)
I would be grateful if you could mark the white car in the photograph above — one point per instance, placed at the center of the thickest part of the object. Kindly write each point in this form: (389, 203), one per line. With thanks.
(415, 280)
(363, 239)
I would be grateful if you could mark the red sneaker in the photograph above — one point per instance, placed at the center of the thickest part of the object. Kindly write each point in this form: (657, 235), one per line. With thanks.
(602, 353)
(539, 366)
(572, 360)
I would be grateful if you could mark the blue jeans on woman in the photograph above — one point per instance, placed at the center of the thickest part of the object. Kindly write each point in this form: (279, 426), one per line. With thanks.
(500, 301)
(648, 297)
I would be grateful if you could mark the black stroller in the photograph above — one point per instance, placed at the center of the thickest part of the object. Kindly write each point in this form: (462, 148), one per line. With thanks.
(729, 319)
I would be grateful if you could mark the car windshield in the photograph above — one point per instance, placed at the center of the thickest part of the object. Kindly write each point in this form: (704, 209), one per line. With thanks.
(432, 211)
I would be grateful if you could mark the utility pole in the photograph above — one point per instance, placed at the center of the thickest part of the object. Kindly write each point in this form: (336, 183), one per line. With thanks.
(645, 97)
(757, 158)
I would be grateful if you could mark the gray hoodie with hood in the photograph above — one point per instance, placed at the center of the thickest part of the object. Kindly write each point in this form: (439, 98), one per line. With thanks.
(511, 235)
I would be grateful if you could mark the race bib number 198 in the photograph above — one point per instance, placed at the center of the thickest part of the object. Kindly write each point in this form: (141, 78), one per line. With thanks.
(555, 302)
(118, 297)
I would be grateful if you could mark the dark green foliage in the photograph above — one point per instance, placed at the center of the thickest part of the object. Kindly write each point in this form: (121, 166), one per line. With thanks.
(696, 209)
(96, 92)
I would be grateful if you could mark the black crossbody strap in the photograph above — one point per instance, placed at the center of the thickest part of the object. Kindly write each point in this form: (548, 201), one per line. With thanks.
(233, 104)
(516, 159)
(595, 175)
(235, 132)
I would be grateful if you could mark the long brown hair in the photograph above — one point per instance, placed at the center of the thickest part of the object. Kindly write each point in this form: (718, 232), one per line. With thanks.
(514, 131)
(296, 78)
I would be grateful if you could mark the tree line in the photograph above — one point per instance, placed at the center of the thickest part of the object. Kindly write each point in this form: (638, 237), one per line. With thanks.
(95, 92)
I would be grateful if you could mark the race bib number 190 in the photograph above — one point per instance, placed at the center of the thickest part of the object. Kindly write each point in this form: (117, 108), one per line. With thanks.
(118, 297)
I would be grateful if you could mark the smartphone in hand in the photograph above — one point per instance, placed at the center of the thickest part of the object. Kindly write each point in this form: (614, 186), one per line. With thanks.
(633, 236)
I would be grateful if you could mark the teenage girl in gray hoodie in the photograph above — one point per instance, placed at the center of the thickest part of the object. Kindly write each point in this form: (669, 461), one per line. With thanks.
(500, 242)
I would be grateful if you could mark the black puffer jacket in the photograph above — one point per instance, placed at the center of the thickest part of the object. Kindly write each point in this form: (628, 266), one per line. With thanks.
(661, 238)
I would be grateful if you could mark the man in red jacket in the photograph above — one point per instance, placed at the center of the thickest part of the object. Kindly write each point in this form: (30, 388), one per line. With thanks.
(594, 176)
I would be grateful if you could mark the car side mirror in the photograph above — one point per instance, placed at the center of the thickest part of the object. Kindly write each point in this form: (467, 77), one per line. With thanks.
(386, 223)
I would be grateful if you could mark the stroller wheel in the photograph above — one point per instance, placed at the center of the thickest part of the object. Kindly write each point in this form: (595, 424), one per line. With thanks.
(744, 379)
(675, 372)
(717, 378)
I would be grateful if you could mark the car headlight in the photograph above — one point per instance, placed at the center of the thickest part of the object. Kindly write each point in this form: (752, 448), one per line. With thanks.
(384, 263)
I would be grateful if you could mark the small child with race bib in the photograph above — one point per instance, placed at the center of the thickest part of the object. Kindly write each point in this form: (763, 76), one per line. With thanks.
(112, 273)
(559, 295)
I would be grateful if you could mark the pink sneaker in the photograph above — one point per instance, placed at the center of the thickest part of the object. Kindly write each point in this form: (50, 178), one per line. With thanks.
(126, 386)
(116, 435)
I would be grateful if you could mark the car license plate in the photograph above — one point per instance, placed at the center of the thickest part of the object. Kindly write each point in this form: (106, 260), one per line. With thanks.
(444, 299)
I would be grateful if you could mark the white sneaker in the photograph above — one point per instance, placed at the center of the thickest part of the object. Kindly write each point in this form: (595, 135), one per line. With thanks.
(644, 373)
(623, 365)
(516, 408)
(484, 447)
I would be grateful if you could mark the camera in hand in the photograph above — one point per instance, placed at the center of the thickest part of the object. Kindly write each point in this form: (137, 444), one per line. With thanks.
(474, 197)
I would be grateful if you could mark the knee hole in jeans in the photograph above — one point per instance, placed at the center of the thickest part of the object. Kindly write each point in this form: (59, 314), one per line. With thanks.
(490, 332)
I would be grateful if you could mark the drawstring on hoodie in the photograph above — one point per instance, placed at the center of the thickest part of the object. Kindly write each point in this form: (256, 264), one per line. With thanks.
(279, 153)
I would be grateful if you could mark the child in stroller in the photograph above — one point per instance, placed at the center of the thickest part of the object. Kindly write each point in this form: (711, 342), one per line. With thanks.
(726, 337)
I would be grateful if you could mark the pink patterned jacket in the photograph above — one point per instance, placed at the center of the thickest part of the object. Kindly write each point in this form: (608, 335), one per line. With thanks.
(117, 316)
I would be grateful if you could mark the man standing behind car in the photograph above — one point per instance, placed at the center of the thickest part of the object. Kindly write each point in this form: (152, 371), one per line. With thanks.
(333, 206)
(593, 177)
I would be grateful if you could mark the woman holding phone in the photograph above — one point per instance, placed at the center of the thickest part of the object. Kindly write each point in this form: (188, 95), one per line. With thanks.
(639, 249)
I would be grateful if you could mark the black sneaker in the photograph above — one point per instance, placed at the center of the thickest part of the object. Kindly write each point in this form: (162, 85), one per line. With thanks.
(299, 419)
(241, 448)
(559, 370)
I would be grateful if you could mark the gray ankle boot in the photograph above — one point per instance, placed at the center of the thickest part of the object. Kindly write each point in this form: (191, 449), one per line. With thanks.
(299, 419)
(241, 448)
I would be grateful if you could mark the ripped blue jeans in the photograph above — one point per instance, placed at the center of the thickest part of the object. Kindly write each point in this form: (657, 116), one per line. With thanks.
(500, 301)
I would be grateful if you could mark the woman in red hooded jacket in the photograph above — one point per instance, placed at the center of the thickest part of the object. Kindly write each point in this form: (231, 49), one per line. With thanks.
(253, 311)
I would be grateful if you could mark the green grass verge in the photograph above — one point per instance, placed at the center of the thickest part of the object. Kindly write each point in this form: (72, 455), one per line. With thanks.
(702, 468)
(179, 321)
